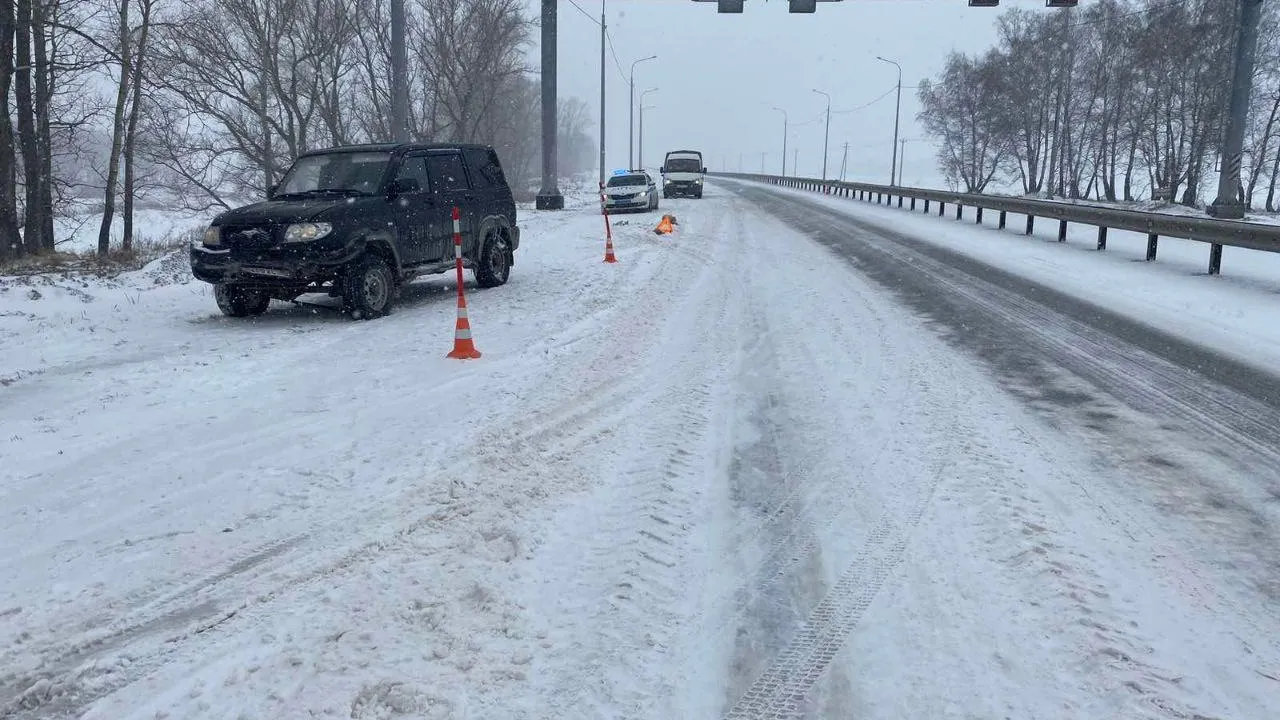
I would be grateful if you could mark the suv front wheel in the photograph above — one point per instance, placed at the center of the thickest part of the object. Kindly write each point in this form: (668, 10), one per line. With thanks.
(368, 288)
(494, 265)
(238, 302)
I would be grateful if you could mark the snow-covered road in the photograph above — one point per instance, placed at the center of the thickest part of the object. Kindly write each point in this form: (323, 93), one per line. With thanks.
(758, 469)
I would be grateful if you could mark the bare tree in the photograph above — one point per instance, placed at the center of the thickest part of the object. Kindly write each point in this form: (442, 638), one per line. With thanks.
(961, 110)
(10, 240)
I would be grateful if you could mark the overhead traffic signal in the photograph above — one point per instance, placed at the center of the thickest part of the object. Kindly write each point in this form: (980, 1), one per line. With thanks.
(795, 6)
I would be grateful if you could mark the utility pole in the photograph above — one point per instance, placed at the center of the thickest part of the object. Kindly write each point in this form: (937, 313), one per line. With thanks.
(549, 197)
(1230, 205)
(603, 39)
(902, 158)
(844, 161)
(784, 140)
(826, 138)
(631, 129)
(897, 114)
(399, 75)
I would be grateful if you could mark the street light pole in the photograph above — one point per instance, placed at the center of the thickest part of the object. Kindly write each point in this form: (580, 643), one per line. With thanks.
(897, 113)
(826, 138)
(603, 39)
(549, 197)
(631, 123)
(640, 153)
(399, 75)
(1229, 205)
(784, 140)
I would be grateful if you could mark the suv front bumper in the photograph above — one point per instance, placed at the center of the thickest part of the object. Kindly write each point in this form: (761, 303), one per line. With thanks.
(277, 267)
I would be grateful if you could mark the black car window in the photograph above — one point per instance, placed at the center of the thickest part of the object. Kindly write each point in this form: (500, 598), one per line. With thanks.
(447, 172)
(415, 167)
(482, 175)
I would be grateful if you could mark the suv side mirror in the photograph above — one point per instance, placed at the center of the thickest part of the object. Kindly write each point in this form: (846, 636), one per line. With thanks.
(663, 169)
(404, 186)
(704, 171)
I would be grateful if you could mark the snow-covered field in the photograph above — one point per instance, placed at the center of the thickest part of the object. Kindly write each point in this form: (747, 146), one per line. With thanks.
(726, 477)
(1234, 312)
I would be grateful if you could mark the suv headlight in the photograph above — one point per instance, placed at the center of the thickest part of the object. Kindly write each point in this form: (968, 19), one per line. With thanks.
(213, 236)
(306, 232)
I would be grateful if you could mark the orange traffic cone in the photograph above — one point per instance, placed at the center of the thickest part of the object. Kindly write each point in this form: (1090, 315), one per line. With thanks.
(464, 348)
(609, 257)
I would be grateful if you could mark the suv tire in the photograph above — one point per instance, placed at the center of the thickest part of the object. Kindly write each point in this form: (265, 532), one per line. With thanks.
(368, 288)
(494, 265)
(239, 302)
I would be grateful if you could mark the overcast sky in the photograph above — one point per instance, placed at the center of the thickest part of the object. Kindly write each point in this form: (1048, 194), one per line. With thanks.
(719, 75)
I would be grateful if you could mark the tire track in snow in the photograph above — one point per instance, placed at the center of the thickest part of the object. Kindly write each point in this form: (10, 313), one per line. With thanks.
(163, 618)
(1137, 377)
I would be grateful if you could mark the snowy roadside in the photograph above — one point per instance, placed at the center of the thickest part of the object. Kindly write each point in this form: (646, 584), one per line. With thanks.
(1234, 312)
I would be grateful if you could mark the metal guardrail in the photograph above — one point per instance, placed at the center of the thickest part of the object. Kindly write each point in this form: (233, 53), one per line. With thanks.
(1217, 233)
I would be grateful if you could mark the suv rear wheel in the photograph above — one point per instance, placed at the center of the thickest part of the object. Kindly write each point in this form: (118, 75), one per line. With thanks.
(494, 266)
(368, 288)
(240, 302)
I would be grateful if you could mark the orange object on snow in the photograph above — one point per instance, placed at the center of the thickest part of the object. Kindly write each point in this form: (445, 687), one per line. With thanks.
(667, 225)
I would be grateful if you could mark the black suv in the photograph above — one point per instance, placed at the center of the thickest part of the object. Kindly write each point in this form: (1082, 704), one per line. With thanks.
(358, 221)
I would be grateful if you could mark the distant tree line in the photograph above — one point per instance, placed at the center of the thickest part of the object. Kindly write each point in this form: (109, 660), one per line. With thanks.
(206, 102)
(1117, 100)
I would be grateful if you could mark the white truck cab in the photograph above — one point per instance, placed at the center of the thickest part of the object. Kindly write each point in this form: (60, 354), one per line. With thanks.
(682, 174)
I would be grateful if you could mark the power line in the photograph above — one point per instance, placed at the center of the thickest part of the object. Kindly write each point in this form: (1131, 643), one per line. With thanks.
(584, 12)
(614, 53)
(866, 105)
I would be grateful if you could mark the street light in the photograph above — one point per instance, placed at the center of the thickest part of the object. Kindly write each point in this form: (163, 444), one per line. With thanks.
(827, 137)
(784, 140)
(631, 126)
(640, 153)
(893, 166)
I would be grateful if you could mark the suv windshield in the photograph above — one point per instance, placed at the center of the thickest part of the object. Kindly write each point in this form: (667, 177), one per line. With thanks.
(684, 164)
(347, 173)
(625, 180)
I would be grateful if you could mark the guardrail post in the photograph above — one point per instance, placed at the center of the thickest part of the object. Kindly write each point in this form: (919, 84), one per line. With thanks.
(913, 203)
(1031, 224)
(926, 205)
(1003, 216)
(942, 208)
(1102, 237)
(1153, 241)
(1215, 259)
(1062, 231)
(979, 220)
(899, 201)
(959, 211)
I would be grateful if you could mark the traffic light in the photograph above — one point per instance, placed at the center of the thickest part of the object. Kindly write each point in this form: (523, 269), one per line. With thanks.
(984, 3)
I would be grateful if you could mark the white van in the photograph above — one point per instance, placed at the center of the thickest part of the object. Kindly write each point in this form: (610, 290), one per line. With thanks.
(682, 174)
